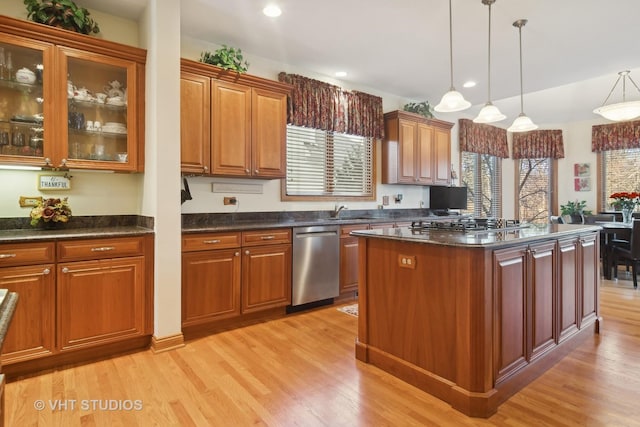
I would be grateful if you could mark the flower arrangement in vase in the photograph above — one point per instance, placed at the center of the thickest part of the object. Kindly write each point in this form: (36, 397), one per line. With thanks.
(51, 211)
(626, 202)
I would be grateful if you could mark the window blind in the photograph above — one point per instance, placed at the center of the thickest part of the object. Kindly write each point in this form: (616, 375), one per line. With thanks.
(324, 163)
(481, 174)
(620, 172)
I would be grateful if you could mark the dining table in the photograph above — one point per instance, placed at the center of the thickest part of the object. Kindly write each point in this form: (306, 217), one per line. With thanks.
(612, 231)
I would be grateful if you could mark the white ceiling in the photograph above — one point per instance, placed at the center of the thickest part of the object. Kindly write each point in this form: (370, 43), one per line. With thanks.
(401, 47)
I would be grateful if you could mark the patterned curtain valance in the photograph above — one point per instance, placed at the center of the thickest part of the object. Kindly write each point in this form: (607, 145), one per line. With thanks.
(321, 105)
(615, 136)
(538, 144)
(482, 139)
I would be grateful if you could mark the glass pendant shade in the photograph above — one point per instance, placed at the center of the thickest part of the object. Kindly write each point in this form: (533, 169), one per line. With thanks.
(452, 101)
(620, 112)
(522, 123)
(489, 114)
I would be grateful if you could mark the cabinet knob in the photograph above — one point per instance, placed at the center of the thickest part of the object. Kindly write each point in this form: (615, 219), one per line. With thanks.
(65, 270)
(206, 168)
(256, 171)
(247, 171)
(47, 161)
(246, 252)
(237, 254)
(63, 162)
(46, 271)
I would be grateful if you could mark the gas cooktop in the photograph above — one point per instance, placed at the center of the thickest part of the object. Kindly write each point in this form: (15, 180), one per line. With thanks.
(467, 224)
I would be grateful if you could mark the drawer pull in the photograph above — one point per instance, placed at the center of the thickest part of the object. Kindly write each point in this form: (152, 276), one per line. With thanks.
(103, 249)
(268, 237)
(2, 256)
(209, 242)
(46, 271)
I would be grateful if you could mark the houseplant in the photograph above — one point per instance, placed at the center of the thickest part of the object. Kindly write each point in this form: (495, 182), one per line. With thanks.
(226, 57)
(423, 108)
(62, 14)
(575, 210)
(51, 211)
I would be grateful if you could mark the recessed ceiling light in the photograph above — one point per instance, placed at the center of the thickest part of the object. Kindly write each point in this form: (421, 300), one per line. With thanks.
(341, 74)
(470, 83)
(272, 11)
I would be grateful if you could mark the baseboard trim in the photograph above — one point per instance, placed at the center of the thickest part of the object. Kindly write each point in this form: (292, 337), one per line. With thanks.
(171, 342)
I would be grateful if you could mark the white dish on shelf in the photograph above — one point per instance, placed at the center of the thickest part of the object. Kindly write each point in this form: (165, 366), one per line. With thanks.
(25, 75)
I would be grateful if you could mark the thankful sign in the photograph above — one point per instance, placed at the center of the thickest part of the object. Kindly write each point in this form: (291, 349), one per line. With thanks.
(53, 182)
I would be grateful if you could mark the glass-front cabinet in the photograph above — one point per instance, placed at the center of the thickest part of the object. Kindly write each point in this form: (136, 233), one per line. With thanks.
(74, 103)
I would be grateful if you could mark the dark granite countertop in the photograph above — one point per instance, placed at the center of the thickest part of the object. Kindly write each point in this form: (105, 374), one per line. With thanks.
(483, 239)
(201, 223)
(28, 235)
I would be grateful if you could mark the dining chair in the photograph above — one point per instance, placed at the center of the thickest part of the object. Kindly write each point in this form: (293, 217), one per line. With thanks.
(629, 254)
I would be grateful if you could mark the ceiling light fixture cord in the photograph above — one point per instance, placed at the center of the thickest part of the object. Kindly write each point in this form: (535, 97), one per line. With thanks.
(489, 54)
(451, 44)
(520, 24)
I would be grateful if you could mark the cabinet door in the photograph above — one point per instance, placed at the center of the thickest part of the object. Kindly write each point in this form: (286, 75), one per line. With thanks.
(442, 157)
(424, 156)
(542, 267)
(94, 88)
(569, 290)
(230, 129)
(195, 122)
(266, 277)
(407, 146)
(32, 331)
(25, 99)
(210, 286)
(269, 133)
(510, 311)
(100, 301)
(588, 279)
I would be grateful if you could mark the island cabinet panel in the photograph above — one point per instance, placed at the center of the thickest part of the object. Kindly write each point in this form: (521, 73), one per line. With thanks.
(510, 304)
(569, 288)
(100, 301)
(472, 319)
(589, 278)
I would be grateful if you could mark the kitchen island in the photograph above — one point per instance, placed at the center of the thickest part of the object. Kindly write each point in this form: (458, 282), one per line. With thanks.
(472, 317)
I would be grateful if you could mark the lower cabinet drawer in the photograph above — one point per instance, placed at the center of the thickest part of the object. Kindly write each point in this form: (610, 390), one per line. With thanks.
(74, 250)
(26, 253)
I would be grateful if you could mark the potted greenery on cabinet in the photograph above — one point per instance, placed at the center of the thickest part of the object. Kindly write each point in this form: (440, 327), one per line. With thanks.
(575, 210)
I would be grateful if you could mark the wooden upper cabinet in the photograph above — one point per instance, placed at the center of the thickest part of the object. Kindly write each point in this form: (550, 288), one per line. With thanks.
(247, 123)
(416, 150)
(231, 129)
(50, 119)
(195, 119)
(268, 135)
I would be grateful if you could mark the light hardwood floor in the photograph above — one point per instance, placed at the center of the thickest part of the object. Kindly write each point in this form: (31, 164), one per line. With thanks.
(301, 371)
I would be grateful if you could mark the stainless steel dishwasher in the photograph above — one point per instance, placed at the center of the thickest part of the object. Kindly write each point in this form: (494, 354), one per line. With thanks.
(316, 264)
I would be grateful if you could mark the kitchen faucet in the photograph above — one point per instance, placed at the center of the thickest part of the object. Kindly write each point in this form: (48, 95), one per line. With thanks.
(337, 210)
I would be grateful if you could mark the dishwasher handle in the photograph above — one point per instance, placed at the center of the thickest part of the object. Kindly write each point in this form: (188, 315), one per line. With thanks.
(309, 234)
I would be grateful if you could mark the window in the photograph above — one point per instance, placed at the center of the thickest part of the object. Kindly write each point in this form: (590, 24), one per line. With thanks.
(481, 174)
(328, 164)
(620, 172)
(535, 187)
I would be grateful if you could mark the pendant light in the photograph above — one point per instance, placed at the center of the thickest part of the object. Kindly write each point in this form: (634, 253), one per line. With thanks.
(452, 100)
(621, 111)
(522, 123)
(489, 112)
